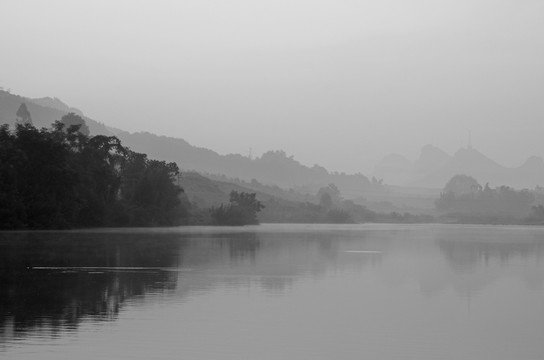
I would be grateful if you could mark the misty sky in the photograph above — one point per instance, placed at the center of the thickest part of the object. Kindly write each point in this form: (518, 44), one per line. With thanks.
(335, 82)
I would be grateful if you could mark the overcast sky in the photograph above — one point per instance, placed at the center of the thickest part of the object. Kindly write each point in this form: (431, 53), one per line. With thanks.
(335, 82)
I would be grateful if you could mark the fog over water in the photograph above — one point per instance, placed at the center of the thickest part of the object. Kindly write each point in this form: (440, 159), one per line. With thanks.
(339, 83)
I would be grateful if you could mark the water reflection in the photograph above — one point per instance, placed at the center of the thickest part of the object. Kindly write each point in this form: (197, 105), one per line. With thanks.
(241, 246)
(478, 257)
(271, 261)
(57, 280)
(468, 250)
(54, 280)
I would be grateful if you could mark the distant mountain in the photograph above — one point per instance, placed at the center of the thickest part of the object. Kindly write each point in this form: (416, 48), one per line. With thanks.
(205, 192)
(430, 160)
(434, 168)
(468, 162)
(272, 168)
(44, 112)
(473, 163)
(394, 169)
(56, 103)
(529, 174)
(397, 170)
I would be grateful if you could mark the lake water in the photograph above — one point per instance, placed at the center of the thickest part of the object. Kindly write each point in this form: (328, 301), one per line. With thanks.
(274, 292)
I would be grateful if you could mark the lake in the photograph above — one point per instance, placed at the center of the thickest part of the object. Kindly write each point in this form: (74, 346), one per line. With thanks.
(274, 292)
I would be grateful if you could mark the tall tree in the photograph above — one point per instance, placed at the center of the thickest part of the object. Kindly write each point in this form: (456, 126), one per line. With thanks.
(329, 196)
(23, 115)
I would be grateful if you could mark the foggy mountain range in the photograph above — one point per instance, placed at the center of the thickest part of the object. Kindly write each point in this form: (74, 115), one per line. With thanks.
(432, 169)
(44, 112)
(273, 167)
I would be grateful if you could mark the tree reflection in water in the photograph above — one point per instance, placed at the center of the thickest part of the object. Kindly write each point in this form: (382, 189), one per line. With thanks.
(464, 255)
(55, 279)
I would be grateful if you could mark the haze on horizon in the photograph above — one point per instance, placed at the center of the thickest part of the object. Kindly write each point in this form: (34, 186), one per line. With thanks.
(338, 83)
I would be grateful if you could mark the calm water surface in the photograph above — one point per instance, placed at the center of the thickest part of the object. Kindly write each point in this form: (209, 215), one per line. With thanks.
(274, 292)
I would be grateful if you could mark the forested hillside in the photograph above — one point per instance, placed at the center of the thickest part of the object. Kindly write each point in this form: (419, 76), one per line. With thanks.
(272, 168)
(61, 178)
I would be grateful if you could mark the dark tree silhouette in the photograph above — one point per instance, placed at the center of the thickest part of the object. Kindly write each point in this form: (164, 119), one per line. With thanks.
(62, 178)
(242, 210)
(72, 119)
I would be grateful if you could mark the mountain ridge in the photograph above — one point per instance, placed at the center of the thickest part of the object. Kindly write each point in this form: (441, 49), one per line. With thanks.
(42, 115)
(440, 167)
(432, 169)
(273, 167)
(55, 103)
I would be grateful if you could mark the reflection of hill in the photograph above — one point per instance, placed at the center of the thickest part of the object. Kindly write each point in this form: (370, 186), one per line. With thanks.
(478, 257)
(464, 259)
(270, 261)
(480, 251)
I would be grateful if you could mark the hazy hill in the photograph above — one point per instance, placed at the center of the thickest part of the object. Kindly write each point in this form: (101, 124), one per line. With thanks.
(431, 159)
(465, 161)
(272, 168)
(204, 193)
(44, 112)
(434, 168)
(473, 163)
(273, 190)
(397, 170)
(394, 169)
(56, 103)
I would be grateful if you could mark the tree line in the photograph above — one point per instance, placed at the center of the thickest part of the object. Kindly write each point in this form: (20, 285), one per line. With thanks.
(63, 178)
(465, 200)
(241, 210)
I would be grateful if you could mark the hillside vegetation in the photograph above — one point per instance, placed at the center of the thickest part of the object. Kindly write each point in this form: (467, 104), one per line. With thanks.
(62, 178)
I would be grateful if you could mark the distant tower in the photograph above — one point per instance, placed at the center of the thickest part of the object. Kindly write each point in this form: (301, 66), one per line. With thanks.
(250, 155)
(469, 140)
